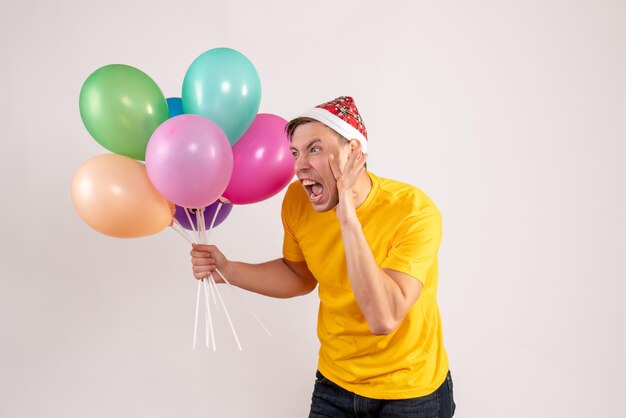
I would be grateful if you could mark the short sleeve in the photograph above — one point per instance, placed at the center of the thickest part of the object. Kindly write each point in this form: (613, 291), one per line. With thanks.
(291, 248)
(415, 244)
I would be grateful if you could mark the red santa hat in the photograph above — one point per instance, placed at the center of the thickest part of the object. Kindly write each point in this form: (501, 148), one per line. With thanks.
(343, 117)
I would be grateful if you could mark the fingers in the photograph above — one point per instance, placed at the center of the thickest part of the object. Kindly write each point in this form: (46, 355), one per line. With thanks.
(359, 162)
(202, 267)
(203, 250)
(203, 247)
(200, 254)
(334, 166)
(201, 274)
(357, 158)
(202, 261)
(354, 167)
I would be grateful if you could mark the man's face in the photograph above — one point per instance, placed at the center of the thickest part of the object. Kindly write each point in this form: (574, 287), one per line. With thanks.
(311, 145)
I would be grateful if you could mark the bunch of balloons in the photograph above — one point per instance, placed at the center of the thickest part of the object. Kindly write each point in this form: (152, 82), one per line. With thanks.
(208, 149)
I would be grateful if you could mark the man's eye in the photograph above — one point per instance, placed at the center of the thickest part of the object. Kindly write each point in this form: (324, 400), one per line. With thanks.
(315, 149)
(295, 154)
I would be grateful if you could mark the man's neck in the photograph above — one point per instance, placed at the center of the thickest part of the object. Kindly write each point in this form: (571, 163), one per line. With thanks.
(362, 188)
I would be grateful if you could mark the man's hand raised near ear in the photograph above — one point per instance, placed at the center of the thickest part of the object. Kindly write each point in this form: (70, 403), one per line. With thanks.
(347, 177)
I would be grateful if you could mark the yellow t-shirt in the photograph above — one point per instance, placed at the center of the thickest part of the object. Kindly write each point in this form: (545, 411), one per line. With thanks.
(403, 229)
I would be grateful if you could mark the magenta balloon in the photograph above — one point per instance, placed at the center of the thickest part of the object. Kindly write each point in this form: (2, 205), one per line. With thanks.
(189, 160)
(262, 161)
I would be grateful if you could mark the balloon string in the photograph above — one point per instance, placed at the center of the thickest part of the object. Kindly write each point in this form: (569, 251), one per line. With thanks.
(200, 288)
(204, 235)
(176, 226)
(214, 285)
(230, 322)
(206, 318)
(243, 302)
(217, 210)
(203, 240)
(193, 227)
(200, 224)
(213, 289)
(209, 319)
(195, 324)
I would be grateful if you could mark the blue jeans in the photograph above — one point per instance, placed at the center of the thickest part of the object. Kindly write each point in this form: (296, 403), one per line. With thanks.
(330, 400)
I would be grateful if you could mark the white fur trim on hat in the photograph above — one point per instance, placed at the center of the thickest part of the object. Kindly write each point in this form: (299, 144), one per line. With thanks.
(334, 122)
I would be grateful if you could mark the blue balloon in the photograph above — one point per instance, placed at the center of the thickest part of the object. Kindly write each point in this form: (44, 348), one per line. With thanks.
(175, 106)
(223, 85)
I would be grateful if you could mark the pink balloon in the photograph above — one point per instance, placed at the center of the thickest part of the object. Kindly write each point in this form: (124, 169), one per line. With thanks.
(189, 160)
(263, 163)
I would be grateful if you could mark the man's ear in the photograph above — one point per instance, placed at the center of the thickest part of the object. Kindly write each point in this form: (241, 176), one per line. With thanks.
(354, 144)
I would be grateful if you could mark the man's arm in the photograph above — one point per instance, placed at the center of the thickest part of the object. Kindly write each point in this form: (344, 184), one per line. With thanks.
(383, 295)
(278, 278)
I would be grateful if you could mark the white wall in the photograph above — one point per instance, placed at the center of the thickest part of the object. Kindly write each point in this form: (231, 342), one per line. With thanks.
(509, 114)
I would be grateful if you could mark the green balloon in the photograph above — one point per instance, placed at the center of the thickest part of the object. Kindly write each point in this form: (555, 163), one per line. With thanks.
(121, 106)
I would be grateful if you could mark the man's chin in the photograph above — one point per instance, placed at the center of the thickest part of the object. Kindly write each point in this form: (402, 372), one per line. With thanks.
(323, 206)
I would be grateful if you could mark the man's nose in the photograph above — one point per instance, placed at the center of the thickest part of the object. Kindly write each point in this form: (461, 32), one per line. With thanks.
(302, 163)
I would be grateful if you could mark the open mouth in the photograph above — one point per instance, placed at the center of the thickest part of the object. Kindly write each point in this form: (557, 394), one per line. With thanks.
(313, 189)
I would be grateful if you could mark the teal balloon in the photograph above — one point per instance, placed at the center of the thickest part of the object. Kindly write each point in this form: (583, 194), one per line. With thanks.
(121, 106)
(223, 85)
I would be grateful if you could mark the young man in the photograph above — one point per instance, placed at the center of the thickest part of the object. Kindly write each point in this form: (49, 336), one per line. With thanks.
(371, 244)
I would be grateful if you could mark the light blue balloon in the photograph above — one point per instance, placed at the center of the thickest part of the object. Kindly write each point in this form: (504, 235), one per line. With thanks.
(223, 85)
